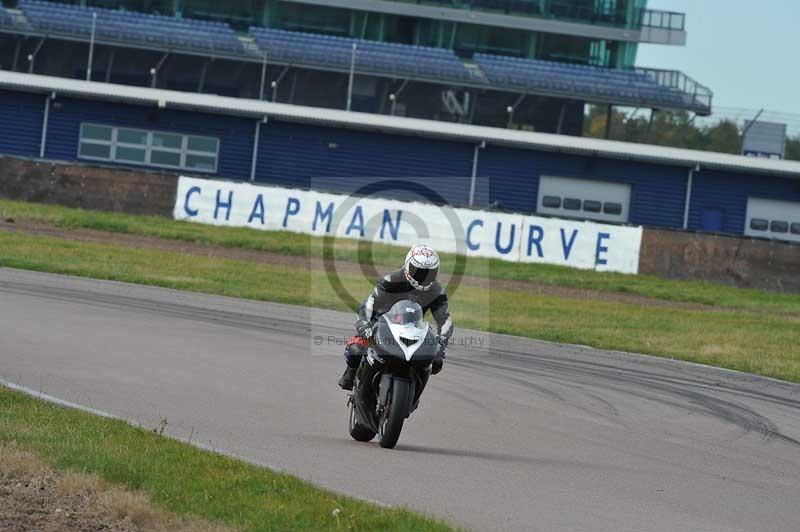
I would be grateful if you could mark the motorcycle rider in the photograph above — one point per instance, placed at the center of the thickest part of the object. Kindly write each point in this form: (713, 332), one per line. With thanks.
(416, 281)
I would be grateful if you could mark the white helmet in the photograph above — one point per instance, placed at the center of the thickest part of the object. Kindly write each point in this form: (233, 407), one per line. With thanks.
(421, 267)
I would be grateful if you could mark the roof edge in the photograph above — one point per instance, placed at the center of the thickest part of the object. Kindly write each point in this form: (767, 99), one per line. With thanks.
(401, 125)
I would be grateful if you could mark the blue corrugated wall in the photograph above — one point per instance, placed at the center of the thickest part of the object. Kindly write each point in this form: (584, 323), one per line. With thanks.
(300, 155)
(236, 134)
(21, 117)
(511, 176)
(328, 158)
(727, 193)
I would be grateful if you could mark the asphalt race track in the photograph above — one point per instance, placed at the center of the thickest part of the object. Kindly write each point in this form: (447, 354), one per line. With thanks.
(514, 435)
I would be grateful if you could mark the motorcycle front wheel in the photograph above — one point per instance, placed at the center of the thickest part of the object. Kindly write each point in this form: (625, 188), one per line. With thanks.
(358, 431)
(394, 414)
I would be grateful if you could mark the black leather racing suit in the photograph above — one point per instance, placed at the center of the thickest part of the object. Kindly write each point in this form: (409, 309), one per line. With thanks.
(393, 288)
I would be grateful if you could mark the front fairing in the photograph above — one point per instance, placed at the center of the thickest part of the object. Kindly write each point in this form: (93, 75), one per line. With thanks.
(388, 349)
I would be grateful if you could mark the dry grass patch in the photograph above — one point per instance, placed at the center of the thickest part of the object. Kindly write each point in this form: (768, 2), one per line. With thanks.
(86, 497)
(129, 506)
(80, 484)
(20, 464)
(136, 508)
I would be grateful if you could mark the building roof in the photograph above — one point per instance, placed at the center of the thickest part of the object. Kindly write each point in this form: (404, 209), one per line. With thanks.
(394, 124)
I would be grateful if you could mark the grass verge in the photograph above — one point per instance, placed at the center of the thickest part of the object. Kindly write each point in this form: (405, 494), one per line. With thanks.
(759, 343)
(178, 478)
(304, 245)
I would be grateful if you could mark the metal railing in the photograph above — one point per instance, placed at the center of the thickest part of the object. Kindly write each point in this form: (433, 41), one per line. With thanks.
(675, 79)
(603, 13)
(669, 20)
(691, 94)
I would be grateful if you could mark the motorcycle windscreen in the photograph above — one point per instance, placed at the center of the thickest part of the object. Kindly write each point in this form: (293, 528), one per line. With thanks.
(407, 326)
(406, 314)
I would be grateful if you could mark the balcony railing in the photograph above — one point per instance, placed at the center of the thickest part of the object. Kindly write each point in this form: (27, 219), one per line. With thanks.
(603, 13)
(694, 93)
(668, 20)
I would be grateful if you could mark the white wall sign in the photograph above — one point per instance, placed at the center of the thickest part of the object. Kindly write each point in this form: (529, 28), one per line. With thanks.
(511, 237)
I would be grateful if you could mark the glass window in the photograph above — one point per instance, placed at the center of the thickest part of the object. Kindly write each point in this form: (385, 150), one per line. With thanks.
(165, 140)
(757, 224)
(779, 227)
(612, 208)
(157, 148)
(201, 162)
(795, 229)
(131, 136)
(203, 144)
(168, 158)
(93, 132)
(553, 202)
(134, 155)
(572, 204)
(98, 151)
(592, 206)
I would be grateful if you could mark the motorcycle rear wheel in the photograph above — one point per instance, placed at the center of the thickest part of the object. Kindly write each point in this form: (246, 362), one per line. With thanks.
(391, 422)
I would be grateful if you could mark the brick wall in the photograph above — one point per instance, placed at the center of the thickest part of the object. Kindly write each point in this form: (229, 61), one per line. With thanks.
(736, 261)
(88, 187)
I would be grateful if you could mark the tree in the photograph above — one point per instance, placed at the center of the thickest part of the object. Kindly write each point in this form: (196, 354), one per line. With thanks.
(673, 128)
(793, 149)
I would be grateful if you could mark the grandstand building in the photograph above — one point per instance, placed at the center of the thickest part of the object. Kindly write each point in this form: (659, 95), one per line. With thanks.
(526, 64)
(97, 124)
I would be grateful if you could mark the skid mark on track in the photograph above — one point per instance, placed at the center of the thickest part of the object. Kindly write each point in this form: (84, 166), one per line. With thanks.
(670, 391)
(173, 310)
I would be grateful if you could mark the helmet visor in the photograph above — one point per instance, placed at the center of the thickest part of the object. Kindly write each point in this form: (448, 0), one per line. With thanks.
(423, 276)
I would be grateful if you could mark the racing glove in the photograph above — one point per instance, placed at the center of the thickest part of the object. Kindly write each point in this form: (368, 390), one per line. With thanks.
(364, 329)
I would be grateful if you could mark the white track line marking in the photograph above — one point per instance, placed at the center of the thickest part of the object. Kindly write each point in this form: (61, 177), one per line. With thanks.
(205, 447)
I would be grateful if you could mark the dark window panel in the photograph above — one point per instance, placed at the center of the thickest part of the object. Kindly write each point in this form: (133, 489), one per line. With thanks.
(612, 208)
(758, 224)
(592, 206)
(779, 227)
(166, 158)
(100, 151)
(93, 132)
(795, 229)
(132, 136)
(552, 202)
(133, 155)
(572, 204)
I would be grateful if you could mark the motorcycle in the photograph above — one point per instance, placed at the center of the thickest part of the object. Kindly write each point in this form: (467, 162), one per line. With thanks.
(392, 375)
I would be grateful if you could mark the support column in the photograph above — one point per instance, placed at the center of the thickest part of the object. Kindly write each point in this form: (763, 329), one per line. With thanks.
(45, 121)
(561, 118)
(649, 135)
(256, 142)
(474, 180)
(688, 204)
(294, 87)
(32, 57)
(110, 65)
(609, 116)
(201, 84)
(473, 108)
(16, 54)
